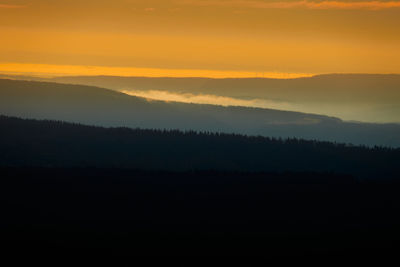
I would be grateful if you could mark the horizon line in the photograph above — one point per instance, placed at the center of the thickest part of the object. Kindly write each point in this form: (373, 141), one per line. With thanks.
(53, 71)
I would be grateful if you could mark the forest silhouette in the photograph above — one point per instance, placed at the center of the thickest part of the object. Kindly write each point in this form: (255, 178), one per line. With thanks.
(196, 184)
(197, 198)
(60, 144)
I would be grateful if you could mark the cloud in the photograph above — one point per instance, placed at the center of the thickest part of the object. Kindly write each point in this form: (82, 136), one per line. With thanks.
(6, 6)
(207, 99)
(305, 4)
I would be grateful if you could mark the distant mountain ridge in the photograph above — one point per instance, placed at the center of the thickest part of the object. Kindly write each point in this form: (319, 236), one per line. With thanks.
(322, 87)
(319, 87)
(102, 107)
(353, 97)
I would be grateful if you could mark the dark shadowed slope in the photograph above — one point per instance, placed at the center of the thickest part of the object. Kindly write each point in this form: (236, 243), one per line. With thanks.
(97, 106)
(47, 143)
(190, 197)
(194, 218)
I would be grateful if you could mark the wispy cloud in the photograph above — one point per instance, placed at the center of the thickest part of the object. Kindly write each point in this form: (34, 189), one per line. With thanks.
(369, 5)
(207, 99)
(6, 6)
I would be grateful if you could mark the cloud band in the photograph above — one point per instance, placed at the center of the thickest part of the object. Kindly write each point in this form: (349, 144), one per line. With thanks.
(369, 5)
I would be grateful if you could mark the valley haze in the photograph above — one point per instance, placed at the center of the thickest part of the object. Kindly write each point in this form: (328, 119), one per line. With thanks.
(351, 97)
(97, 106)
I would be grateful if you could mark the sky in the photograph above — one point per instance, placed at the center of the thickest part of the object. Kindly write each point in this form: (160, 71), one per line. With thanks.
(208, 38)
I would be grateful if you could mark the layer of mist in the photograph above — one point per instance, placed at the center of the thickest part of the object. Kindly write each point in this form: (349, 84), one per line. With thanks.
(102, 107)
(352, 97)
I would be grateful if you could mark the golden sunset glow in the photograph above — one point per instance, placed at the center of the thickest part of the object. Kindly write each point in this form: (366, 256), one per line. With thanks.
(63, 70)
(191, 38)
(372, 5)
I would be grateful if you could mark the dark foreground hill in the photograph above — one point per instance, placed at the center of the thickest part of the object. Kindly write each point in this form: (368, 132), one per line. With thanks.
(102, 107)
(74, 195)
(60, 144)
(117, 217)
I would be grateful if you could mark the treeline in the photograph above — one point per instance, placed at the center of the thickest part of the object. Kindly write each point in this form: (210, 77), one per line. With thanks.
(59, 144)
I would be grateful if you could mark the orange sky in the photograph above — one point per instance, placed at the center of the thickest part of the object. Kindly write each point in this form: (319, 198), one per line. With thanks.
(216, 38)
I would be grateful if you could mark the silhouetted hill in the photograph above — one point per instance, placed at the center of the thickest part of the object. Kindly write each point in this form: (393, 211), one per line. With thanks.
(60, 144)
(118, 217)
(97, 106)
(116, 196)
